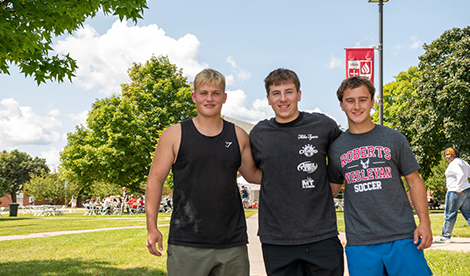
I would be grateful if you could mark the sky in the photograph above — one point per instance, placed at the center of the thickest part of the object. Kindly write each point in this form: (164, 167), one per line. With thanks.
(244, 40)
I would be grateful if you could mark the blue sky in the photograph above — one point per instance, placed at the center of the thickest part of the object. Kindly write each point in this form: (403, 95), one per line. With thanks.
(244, 40)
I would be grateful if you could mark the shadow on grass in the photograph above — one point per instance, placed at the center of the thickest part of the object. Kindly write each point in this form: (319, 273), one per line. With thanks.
(71, 267)
(15, 218)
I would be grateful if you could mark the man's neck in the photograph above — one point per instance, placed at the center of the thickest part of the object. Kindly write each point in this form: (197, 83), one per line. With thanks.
(209, 126)
(361, 128)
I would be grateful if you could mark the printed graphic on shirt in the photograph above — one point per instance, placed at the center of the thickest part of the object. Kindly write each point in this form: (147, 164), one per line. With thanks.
(308, 183)
(307, 136)
(307, 167)
(308, 150)
(364, 167)
(227, 144)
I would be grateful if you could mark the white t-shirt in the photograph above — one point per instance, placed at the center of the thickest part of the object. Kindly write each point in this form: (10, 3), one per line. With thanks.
(457, 175)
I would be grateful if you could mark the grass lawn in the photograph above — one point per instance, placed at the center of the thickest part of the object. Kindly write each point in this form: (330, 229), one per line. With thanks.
(461, 228)
(123, 251)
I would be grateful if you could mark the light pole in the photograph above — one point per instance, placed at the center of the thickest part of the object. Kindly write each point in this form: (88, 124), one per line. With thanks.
(380, 49)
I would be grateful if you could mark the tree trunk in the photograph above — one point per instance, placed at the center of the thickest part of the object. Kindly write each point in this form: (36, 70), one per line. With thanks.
(13, 196)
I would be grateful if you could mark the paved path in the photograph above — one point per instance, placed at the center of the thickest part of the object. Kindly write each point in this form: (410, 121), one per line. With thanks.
(254, 248)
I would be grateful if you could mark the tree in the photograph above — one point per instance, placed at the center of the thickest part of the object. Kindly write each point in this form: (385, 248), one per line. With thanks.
(118, 142)
(436, 182)
(27, 29)
(396, 102)
(49, 186)
(17, 168)
(441, 108)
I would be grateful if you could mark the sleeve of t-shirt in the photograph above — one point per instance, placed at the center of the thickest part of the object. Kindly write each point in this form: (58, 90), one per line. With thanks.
(254, 149)
(334, 171)
(407, 162)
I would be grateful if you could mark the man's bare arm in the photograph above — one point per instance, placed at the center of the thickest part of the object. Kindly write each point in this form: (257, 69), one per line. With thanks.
(335, 188)
(164, 157)
(248, 169)
(420, 203)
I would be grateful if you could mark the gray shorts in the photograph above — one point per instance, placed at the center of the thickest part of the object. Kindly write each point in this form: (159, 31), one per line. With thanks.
(195, 261)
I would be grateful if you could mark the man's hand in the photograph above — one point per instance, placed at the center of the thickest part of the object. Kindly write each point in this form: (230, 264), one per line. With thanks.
(154, 237)
(423, 232)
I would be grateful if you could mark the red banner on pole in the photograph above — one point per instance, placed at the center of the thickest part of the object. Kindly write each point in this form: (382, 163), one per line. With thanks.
(360, 62)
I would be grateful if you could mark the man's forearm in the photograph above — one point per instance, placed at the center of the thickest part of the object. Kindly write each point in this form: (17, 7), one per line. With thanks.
(153, 197)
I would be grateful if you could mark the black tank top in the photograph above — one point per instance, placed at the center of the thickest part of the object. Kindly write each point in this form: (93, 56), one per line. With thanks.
(208, 212)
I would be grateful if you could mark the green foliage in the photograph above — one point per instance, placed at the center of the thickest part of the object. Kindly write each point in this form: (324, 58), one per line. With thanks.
(17, 168)
(102, 189)
(396, 102)
(27, 29)
(442, 107)
(122, 130)
(50, 186)
(437, 180)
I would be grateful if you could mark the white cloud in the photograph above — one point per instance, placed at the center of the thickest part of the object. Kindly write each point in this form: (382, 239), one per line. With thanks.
(231, 61)
(52, 157)
(416, 43)
(335, 63)
(235, 107)
(103, 60)
(21, 126)
(243, 75)
(54, 112)
(229, 80)
(79, 117)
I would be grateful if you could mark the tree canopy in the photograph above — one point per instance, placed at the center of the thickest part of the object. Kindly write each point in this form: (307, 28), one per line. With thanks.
(16, 168)
(49, 186)
(441, 108)
(430, 103)
(27, 29)
(122, 130)
(397, 97)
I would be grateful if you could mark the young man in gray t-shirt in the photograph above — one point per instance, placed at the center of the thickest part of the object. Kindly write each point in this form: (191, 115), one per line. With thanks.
(382, 237)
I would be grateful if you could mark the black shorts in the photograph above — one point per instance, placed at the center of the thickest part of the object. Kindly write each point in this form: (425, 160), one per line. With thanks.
(318, 258)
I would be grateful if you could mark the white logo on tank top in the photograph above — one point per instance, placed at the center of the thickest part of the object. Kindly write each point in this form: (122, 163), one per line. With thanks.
(228, 144)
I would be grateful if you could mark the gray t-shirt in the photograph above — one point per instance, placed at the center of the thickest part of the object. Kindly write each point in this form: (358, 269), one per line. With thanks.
(376, 206)
(296, 205)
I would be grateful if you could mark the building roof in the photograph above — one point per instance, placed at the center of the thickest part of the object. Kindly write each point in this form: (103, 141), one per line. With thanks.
(244, 125)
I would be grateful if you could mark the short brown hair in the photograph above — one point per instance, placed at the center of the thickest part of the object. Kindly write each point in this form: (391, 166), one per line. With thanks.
(355, 82)
(281, 76)
(210, 77)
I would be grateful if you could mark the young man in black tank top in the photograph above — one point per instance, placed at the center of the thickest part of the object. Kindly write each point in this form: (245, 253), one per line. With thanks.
(208, 229)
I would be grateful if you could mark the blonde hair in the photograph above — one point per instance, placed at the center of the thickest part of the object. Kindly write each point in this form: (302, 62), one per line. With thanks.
(210, 77)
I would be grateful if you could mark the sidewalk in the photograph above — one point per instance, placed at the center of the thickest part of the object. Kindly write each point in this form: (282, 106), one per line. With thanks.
(254, 248)
(256, 256)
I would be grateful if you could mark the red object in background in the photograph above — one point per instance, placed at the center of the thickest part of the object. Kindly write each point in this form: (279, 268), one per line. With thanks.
(360, 62)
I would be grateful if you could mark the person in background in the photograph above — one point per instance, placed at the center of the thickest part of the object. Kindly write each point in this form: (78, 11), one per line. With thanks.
(245, 197)
(458, 193)
(73, 204)
(125, 198)
(31, 200)
(106, 207)
(132, 202)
